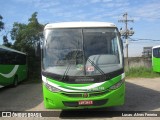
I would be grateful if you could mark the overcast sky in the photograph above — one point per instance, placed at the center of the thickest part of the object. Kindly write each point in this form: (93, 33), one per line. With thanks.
(146, 15)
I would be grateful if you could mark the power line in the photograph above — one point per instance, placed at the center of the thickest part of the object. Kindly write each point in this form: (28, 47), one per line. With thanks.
(149, 17)
(142, 39)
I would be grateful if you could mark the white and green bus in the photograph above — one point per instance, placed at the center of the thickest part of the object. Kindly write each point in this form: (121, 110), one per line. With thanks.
(13, 66)
(156, 58)
(82, 65)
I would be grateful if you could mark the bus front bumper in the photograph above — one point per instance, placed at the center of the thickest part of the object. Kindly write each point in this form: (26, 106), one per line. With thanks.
(57, 100)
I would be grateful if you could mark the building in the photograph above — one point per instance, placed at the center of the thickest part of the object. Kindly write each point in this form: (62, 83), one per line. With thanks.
(147, 52)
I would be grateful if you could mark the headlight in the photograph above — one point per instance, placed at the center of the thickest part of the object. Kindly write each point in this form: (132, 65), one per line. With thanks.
(117, 85)
(51, 88)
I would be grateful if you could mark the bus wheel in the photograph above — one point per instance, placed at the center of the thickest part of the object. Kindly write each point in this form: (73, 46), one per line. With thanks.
(15, 82)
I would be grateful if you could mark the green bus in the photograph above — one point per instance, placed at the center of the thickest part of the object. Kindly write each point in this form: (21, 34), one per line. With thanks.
(13, 66)
(82, 65)
(156, 58)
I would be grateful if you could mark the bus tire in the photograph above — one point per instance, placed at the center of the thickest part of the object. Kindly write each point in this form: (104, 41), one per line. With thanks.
(15, 82)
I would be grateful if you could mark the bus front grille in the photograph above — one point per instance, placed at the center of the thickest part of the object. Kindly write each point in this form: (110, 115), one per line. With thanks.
(90, 94)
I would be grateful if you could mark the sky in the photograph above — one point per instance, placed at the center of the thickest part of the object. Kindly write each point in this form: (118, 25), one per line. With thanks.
(145, 13)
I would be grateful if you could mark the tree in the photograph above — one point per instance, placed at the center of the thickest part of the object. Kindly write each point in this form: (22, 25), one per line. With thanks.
(18, 34)
(26, 36)
(6, 41)
(1, 23)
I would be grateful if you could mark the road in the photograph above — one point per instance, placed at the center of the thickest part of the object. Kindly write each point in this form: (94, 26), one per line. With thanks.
(142, 94)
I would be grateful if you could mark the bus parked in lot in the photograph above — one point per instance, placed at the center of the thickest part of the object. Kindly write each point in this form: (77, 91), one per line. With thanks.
(13, 66)
(156, 58)
(82, 65)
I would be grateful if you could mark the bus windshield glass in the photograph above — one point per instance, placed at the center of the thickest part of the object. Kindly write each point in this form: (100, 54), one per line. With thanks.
(82, 51)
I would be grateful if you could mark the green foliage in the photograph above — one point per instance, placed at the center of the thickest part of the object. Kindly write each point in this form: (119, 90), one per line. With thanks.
(1, 23)
(6, 41)
(141, 72)
(26, 36)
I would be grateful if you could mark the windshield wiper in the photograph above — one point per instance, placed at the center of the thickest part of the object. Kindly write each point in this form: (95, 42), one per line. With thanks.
(66, 71)
(100, 70)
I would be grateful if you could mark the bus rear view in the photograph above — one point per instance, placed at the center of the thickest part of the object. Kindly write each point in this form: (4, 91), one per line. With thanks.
(82, 65)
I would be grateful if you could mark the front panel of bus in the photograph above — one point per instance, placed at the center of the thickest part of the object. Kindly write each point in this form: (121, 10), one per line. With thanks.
(82, 68)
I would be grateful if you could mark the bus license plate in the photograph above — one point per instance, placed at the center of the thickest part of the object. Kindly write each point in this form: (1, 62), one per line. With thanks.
(85, 102)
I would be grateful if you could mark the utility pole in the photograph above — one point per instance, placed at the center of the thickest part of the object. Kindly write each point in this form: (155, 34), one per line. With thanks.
(126, 33)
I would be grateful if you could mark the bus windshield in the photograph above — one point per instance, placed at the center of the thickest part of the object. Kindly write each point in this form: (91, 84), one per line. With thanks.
(82, 51)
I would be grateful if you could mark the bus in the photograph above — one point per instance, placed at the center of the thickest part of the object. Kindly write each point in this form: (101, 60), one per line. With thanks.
(156, 58)
(82, 65)
(13, 66)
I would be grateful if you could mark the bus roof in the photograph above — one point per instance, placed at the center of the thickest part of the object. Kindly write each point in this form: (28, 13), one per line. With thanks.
(9, 49)
(79, 24)
(158, 46)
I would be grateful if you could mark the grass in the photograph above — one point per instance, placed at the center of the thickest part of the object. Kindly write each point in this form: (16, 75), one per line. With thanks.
(141, 72)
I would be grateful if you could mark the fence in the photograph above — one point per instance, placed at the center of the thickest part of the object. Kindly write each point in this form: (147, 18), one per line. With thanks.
(139, 62)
